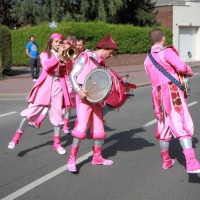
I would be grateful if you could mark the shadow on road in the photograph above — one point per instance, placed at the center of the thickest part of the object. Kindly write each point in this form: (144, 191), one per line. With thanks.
(16, 71)
(65, 138)
(177, 153)
(127, 141)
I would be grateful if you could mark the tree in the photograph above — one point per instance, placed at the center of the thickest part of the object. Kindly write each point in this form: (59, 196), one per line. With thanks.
(37, 11)
(138, 13)
(6, 14)
(101, 10)
(27, 11)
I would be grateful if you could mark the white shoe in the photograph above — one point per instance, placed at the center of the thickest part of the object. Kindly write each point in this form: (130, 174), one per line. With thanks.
(12, 145)
(34, 80)
(61, 150)
(33, 124)
(194, 172)
(71, 167)
(66, 131)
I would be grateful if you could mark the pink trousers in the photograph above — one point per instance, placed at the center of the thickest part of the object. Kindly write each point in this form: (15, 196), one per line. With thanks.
(88, 114)
(177, 125)
(55, 107)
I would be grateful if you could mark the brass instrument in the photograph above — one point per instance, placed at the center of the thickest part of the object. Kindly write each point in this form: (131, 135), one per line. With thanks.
(69, 54)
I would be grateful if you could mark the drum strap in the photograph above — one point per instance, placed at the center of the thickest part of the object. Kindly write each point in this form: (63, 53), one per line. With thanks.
(96, 63)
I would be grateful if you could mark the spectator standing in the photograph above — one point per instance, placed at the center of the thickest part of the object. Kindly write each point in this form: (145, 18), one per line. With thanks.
(32, 52)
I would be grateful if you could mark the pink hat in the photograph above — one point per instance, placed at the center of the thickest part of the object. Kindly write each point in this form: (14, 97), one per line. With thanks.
(56, 36)
(67, 42)
(107, 43)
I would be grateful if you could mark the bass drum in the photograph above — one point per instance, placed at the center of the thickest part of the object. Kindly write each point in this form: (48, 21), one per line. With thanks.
(119, 91)
(99, 83)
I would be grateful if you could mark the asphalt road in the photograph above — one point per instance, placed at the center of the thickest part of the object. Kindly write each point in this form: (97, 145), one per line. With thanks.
(34, 171)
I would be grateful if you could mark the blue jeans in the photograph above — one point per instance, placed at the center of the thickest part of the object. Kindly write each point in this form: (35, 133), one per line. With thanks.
(35, 63)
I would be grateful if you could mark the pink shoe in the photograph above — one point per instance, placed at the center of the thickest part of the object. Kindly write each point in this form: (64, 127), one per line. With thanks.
(192, 164)
(38, 122)
(57, 146)
(71, 164)
(71, 167)
(13, 143)
(97, 157)
(65, 126)
(102, 162)
(35, 124)
(65, 129)
(167, 161)
(169, 164)
(61, 150)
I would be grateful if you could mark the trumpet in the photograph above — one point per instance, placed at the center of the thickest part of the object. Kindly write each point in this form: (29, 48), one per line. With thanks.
(70, 53)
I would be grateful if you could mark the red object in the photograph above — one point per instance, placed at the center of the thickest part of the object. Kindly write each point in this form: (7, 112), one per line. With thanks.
(132, 86)
(117, 96)
(107, 43)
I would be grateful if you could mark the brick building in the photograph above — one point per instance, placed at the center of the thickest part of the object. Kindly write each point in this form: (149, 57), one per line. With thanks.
(181, 17)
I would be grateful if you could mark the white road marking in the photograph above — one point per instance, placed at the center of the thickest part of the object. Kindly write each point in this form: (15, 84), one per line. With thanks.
(155, 120)
(193, 103)
(52, 174)
(195, 74)
(150, 123)
(10, 113)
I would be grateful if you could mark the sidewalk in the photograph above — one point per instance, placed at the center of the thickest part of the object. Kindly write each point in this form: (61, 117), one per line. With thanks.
(18, 82)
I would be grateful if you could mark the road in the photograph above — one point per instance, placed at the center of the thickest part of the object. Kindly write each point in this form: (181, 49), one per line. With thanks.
(34, 171)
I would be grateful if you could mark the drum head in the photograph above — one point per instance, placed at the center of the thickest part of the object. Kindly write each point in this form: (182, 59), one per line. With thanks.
(100, 82)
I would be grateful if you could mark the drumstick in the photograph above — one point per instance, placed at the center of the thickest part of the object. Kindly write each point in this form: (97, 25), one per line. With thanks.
(129, 79)
(91, 87)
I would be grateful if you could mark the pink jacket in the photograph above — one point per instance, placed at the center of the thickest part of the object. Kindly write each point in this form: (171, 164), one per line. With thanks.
(89, 66)
(168, 58)
(41, 91)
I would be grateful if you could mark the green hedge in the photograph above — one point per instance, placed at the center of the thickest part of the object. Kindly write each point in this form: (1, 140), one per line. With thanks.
(5, 49)
(130, 39)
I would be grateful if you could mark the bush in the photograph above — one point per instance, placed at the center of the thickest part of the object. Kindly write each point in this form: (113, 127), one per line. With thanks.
(130, 39)
(5, 49)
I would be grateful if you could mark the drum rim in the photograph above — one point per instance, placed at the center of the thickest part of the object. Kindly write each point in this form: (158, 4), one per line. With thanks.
(109, 87)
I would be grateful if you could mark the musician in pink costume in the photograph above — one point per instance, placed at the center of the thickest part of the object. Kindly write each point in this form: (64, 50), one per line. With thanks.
(49, 91)
(66, 111)
(89, 114)
(72, 94)
(170, 106)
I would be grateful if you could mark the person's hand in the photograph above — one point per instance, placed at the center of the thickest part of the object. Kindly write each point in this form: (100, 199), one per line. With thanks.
(61, 49)
(61, 55)
(67, 46)
(82, 94)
